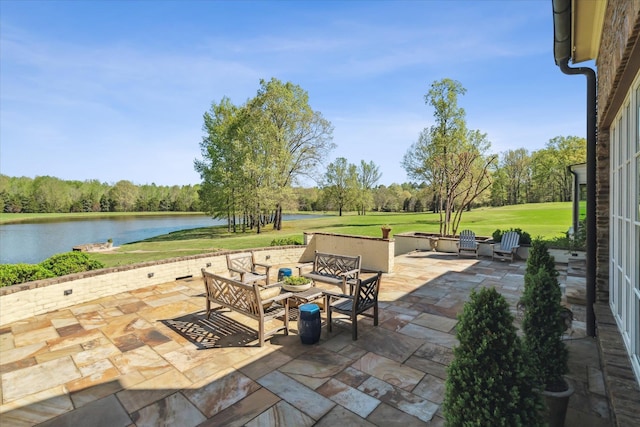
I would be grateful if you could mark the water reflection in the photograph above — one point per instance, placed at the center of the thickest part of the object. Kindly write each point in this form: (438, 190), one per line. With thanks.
(34, 242)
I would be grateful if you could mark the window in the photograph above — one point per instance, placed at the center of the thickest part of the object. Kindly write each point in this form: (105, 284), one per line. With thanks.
(624, 224)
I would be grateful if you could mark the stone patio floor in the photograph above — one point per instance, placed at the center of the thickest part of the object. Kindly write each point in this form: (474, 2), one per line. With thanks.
(150, 358)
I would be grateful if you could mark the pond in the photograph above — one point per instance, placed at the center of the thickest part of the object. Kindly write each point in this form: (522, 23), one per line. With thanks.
(35, 241)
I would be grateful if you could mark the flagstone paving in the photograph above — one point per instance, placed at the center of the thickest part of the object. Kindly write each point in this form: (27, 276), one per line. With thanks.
(121, 361)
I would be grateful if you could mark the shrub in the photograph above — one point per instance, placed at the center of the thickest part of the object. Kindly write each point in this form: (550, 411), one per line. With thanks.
(13, 274)
(296, 280)
(70, 262)
(539, 257)
(543, 326)
(525, 238)
(489, 381)
(286, 242)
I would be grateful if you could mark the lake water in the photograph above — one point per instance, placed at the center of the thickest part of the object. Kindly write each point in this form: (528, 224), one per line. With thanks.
(34, 242)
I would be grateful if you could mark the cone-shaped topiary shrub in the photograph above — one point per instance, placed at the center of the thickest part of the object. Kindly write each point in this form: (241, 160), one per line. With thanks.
(539, 256)
(489, 381)
(543, 326)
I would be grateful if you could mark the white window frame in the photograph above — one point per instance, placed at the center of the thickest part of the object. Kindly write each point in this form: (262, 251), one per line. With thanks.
(624, 223)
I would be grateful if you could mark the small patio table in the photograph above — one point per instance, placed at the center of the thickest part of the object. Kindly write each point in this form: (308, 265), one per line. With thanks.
(303, 297)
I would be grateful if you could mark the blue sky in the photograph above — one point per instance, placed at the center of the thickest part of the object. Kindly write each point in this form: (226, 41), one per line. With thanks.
(113, 90)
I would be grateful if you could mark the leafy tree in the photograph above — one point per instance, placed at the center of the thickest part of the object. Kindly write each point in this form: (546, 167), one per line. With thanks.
(515, 165)
(123, 196)
(551, 177)
(390, 199)
(51, 194)
(368, 176)
(341, 183)
(221, 167)
(449, 157)
(297, 138)
(252, 154)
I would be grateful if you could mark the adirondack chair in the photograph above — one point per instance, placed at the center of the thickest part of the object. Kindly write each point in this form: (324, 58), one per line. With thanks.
(507, 247)
(467, 243)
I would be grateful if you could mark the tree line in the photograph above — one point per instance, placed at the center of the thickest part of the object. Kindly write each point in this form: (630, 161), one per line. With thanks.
(254, 156)
(46, 194)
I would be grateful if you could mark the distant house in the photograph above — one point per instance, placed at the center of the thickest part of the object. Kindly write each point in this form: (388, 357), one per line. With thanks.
(609, 33)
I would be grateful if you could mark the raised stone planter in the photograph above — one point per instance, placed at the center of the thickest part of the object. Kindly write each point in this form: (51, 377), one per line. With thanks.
(407, 242)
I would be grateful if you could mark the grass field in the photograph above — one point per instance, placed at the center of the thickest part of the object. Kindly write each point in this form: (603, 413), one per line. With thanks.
(547, 220)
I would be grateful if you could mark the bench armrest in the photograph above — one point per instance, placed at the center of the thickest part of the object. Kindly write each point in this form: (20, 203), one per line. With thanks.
(279, 297)
(355, 271)
(267, 266)
(303, 265)
(333, 294)
(235, 270)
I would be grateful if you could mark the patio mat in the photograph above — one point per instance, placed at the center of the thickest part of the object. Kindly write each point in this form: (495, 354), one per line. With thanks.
(216, 332)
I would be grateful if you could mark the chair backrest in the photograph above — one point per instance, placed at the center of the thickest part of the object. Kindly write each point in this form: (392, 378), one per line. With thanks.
(366, 293)
(334, 264)
(241, 262)
(243, 297)
(468, 239)
(510, 240)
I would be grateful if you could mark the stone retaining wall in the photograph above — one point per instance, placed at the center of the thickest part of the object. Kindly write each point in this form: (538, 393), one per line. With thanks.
(30, 299)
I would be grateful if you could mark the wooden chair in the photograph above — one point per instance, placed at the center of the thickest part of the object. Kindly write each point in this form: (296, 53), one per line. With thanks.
(467, 243)
(507, 247)
(364, 298)
(244, 265)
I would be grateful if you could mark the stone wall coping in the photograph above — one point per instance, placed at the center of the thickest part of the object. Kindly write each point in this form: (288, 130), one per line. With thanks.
(20, 287)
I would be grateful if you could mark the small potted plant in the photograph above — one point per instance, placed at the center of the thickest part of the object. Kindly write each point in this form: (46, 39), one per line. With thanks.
(296, 283)
(386, 229)
(489, 381)
(543, 325)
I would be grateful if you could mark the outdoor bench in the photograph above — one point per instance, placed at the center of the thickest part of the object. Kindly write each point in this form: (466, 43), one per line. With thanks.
(261, 303)
(333, 269)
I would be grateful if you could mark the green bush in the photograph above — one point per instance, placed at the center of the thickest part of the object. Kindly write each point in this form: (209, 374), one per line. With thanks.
(69, 263)
(543, 326)
(13, 274)
(286, 242)
(539, 256)
(525, 238)
(489, 381)
(296, 280)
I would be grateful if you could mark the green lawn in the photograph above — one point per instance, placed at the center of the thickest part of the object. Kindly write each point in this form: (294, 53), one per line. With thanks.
(548, 220)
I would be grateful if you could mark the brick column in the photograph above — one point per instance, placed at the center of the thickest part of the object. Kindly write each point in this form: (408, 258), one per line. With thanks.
(602, 216)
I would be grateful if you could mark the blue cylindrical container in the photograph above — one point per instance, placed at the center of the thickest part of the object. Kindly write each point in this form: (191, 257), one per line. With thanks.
(309, 323)
(282, 273)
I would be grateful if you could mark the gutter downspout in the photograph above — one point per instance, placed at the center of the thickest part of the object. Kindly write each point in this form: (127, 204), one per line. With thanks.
(562, 52)
(576, 201)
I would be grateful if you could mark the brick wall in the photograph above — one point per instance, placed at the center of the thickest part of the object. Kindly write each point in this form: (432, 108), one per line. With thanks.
(602, 216)
(619, 35)
(621, 21)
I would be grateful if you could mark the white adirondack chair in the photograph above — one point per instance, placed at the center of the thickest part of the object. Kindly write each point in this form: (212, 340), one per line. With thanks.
(467, 243)
(507, 247)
